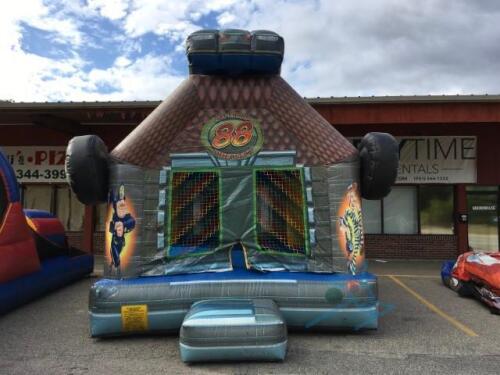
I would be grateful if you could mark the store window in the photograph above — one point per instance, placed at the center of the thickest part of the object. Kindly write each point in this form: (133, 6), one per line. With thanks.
(483, 210)
(39, 197)
(57, 199)
(68, 209)
(436, 209)
(424, 209)
(372, 214)
(400, 211)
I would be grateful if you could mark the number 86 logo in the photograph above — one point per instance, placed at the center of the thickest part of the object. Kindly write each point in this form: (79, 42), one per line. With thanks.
(227, 134)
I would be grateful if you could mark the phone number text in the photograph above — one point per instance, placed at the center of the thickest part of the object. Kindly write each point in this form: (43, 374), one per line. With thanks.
(36, 174)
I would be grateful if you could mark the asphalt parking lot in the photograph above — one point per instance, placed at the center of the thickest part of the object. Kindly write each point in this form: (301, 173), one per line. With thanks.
(424, 328)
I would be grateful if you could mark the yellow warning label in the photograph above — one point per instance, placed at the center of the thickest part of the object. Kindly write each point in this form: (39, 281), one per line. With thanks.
(135, 317)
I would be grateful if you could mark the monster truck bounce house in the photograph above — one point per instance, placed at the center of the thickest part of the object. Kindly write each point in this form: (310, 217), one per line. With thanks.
(34, 255)
(237, 200)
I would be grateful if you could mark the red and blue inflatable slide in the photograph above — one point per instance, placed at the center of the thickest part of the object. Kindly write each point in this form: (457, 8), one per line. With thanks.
(34, 254)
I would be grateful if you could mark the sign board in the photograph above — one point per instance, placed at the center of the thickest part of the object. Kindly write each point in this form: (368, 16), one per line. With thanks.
(491, 207)
(436, 160)
(34, 164)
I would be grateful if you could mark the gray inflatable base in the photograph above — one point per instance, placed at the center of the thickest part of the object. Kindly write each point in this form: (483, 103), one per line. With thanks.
(296, 318)
(306, 301)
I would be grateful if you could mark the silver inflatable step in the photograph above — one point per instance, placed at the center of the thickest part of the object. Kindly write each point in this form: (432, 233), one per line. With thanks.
(233, 330)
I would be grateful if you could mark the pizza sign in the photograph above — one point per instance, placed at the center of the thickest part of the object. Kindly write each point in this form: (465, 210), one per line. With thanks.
(232, 137)
(33, 164)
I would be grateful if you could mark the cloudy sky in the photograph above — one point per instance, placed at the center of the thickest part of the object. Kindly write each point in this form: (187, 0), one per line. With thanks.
(134, 49)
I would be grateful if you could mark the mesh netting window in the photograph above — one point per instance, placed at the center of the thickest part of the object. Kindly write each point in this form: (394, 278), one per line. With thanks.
(280, 211)
(194, 213)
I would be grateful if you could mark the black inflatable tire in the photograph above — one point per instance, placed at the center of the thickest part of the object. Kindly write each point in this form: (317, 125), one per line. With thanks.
(87, 169)
(379, 153)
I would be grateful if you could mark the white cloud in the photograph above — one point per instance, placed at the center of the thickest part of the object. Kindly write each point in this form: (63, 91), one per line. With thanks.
(147, 78)
(174, 19)
(157, 16)
(112, 9)
(27, 76)
(385, 47)
(226, 18)
(340, 47)
(22, 72)
(122, 61)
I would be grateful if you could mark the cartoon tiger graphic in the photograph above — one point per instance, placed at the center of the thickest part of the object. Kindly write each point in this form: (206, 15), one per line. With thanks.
(350, 226)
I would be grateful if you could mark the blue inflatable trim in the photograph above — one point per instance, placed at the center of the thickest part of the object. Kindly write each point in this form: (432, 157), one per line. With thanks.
(54, 273)
(239, 274)
(10, 178)
(38, 214)
(446, 269)
(234, 63)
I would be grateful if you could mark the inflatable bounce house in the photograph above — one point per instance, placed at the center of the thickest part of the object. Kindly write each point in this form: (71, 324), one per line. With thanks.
(475, 274)
(234, 204)
(34, 254)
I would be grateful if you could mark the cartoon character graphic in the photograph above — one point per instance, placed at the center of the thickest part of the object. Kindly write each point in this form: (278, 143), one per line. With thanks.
(122, 222)
(350, 228)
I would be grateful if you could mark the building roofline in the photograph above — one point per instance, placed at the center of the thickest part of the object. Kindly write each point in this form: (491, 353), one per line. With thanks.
(79, 105)
(400, 99)
(315, 101)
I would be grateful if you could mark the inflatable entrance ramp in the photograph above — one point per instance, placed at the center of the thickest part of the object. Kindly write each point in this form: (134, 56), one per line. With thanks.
(233, 188)
(224, 330)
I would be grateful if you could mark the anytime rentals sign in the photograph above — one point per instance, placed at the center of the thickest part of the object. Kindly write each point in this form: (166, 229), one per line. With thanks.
(437, 160)
(37, 163)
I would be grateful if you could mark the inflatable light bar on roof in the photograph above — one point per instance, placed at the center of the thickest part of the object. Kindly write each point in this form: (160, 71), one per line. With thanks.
(234, 52)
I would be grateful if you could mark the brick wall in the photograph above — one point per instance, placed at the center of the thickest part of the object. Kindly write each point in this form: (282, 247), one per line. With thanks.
(98, 242)
(411, 246)
(75, 239)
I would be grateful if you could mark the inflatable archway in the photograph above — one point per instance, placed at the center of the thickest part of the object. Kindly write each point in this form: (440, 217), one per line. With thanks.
(233, 187)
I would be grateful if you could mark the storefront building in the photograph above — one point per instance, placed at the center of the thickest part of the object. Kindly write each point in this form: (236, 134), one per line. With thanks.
(445, 200)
